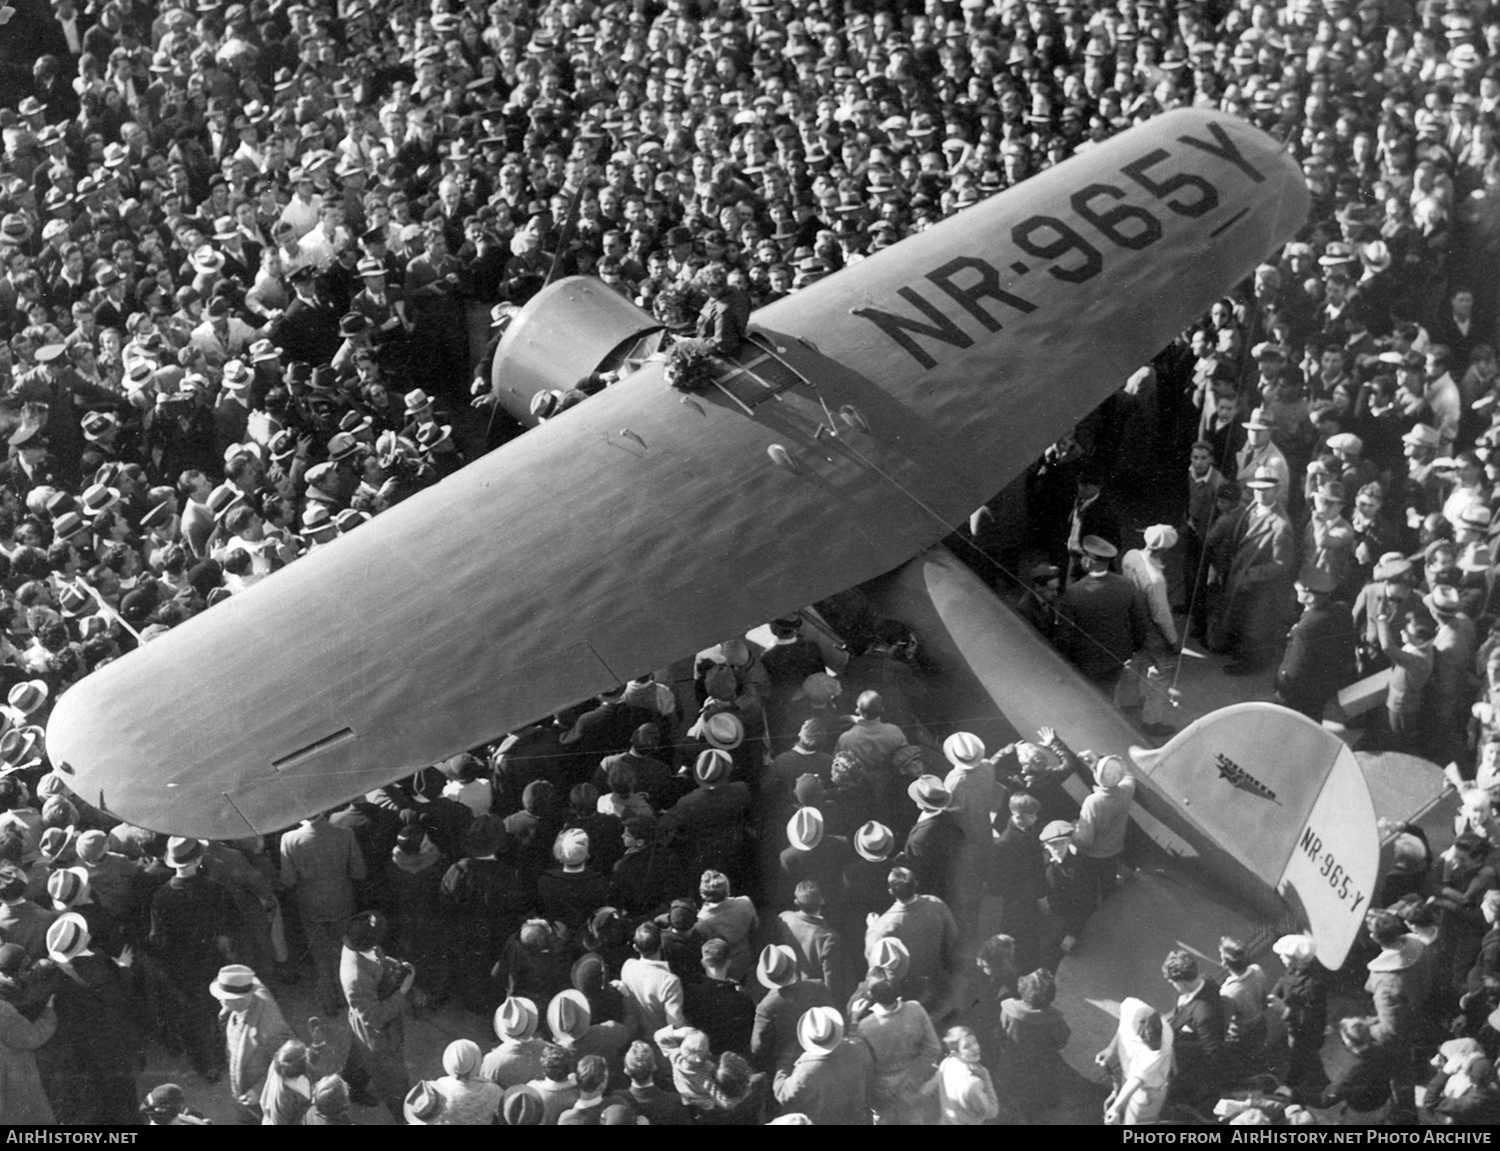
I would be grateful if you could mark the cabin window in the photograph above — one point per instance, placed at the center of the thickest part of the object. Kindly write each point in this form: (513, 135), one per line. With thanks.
(754, 374)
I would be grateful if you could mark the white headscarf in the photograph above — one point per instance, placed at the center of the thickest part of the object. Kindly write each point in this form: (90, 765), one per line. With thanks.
(1138, 1061)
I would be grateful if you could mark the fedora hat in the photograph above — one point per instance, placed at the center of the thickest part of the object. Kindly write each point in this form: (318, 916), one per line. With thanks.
(928, 793)
(15, 228)
(1391, 565)
(1258, 421)
(1264, 478)
(568, 1017)
(21, 747)
(67, 938)
(181, 852)
(434, 435)
(27, 697)
(805, 829)
(890, 955)
(342, 446)
(206, 259)
(522, 1106)
(777, 966)
(1376, 255)
(963, 749)
(55, 843)
(222, 500)
(423, 1105)
(96, 425)
(233, 981)
(74, 601)
(237, 376)
(874, 842)
(820, 1029)
(723, 730)
(97, 499)
(516, 1018)
(712, 766)
(68, 887)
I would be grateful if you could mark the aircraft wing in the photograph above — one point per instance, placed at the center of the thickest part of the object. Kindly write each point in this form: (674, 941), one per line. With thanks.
(873, 410)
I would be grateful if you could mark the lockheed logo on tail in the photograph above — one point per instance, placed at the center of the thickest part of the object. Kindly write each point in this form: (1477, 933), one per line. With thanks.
(1242, 779)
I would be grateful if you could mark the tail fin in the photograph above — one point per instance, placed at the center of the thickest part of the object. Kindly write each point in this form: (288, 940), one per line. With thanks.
(1286, 799)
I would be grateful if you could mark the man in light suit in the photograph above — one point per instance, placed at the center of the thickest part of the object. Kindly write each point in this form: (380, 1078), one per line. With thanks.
(1259, 576)
(1260, 454)
(320, 864)
(376, 988)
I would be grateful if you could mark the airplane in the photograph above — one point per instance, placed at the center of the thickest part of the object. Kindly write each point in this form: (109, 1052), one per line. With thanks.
(863, 416)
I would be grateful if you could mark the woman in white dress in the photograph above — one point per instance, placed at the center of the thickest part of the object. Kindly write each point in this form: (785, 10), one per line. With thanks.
(1143, 1046)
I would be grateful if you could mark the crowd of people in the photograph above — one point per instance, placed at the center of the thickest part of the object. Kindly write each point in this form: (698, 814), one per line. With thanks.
(242, 247)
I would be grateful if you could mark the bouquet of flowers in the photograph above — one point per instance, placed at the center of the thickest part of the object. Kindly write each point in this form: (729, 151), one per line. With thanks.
(688, 366)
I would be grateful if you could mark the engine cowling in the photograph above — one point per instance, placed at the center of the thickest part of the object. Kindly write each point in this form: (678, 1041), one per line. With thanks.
(567, 330)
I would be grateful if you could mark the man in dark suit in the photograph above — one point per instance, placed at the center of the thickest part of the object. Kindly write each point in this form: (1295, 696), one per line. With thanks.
(309, 329)
(1319, 655)
(1205, 481)
(34, 28)
(933, 844)
(773, 1042)
(192, 920)
(66, 394)
(1021, 879)
(32, 463)
(606, 729)
(1103, 619)
(1456, 328)
(718, 1006)
(1093, 514)
(1199, 1027)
